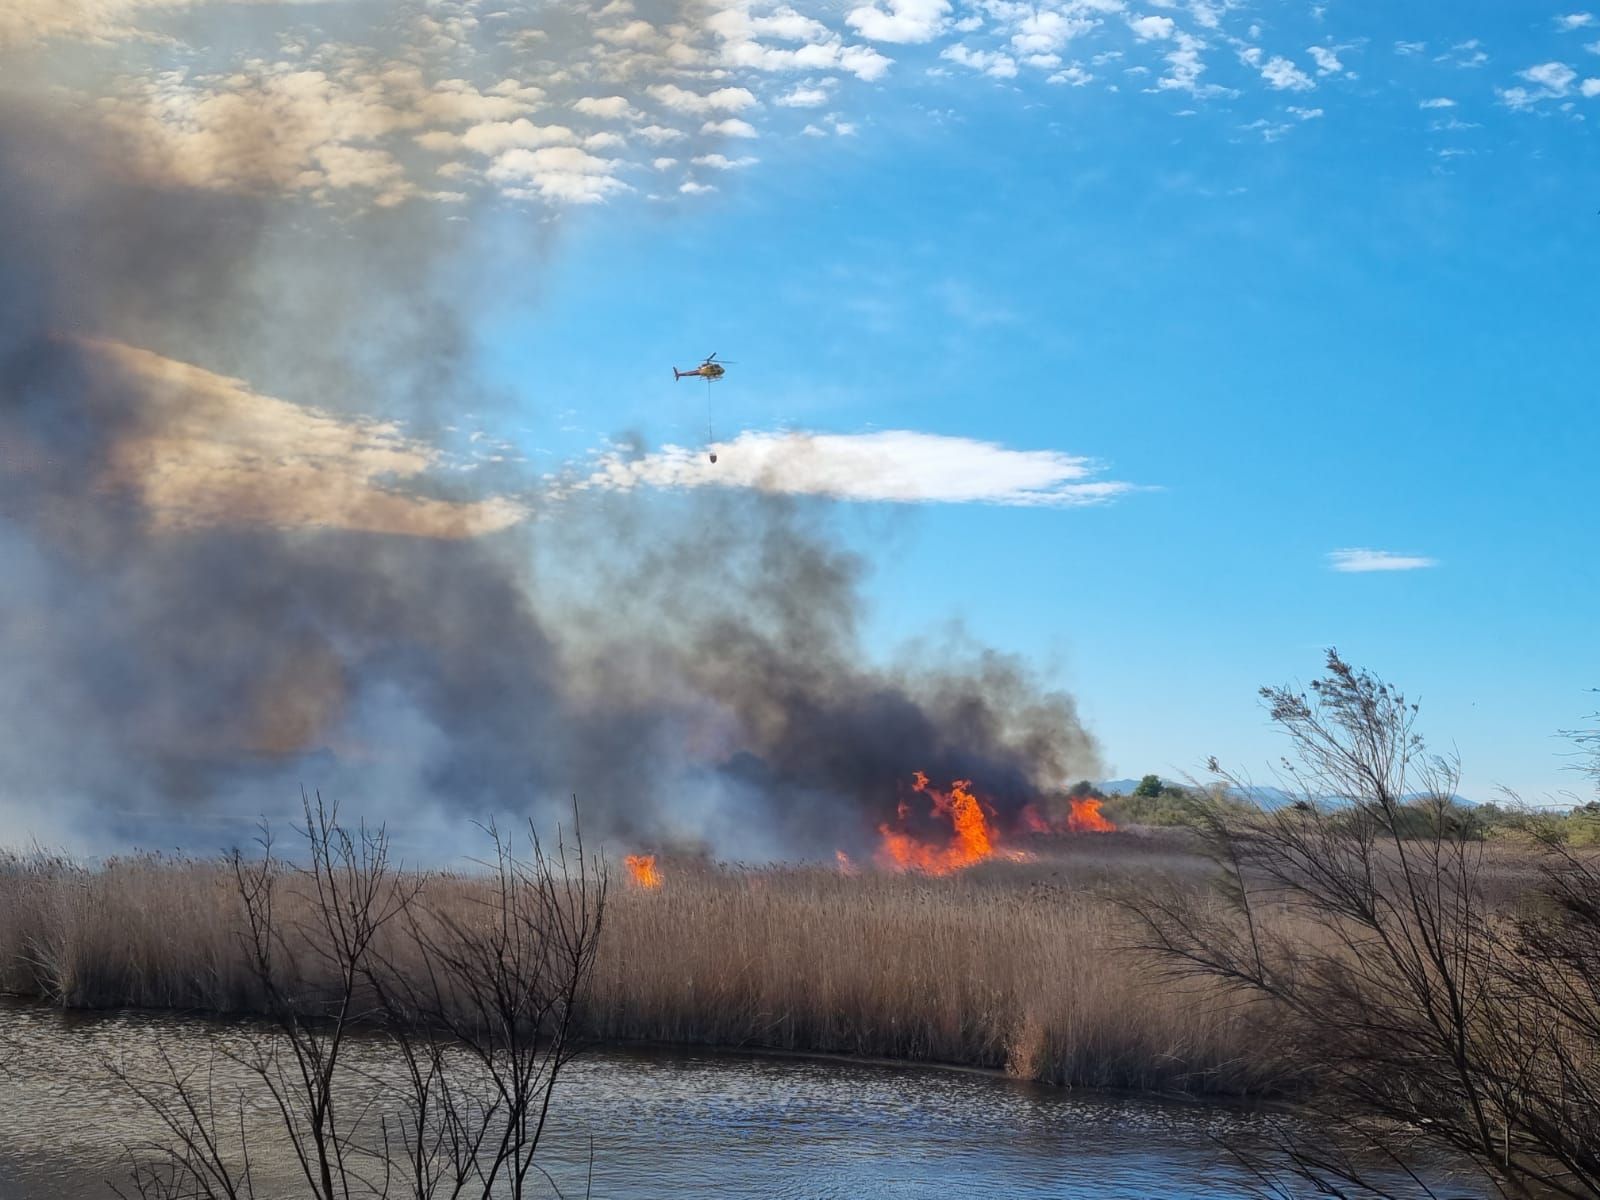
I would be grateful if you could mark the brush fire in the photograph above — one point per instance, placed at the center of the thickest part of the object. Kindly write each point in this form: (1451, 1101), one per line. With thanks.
(643, 871)
(918, 841)
(936, 832)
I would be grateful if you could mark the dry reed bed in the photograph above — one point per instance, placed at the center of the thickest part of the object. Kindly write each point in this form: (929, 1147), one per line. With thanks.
(1024, 968)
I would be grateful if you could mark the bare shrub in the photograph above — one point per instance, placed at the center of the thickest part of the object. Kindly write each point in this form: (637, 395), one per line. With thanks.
(1430, 1020)
(479, 1006)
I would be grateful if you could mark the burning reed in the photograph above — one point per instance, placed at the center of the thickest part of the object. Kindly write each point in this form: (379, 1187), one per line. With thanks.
(1013, 966)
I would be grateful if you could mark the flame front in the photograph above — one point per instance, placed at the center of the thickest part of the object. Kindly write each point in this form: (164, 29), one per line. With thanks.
(1086, 817)
(976, 831)
(642, 868)
(971, 838)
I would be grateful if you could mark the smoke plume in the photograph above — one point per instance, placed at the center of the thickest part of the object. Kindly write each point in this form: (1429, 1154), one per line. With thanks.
(232, 564)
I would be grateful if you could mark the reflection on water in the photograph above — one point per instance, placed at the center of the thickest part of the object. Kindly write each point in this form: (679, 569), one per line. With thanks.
(675, 1124)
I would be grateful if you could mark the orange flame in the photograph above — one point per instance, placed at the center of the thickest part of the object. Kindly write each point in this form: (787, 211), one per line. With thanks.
(846, 867)
(642, 867)
(971, 838)
(1032, 820)
(1086, 817)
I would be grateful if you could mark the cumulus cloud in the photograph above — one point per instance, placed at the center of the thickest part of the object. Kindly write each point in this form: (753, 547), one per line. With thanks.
(207, 131)
(1438, 102)
(27, 21)
(721, 162)
(1551, 81)
(896, 466)
(903, 21)
(1043, 33)
(1362, 560)
(1327, 60)
(561, 174)
(1185, 66)
(990, 62)
(606, 108)
(1578, 20)
(806, 96)
(728, 99)
(496, 137)
(1283, 76)
(819, 49)
(731, 127)
(1152, 28)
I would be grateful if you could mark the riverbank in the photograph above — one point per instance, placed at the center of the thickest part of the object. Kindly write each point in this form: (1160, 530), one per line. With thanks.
(671, 1124)
(1021, 967)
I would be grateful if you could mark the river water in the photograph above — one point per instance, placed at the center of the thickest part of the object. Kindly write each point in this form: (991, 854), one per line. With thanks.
(674, 1124)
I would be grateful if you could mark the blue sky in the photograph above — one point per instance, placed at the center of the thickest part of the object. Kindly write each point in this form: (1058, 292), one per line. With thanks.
(1298, 279)
(1338, 338)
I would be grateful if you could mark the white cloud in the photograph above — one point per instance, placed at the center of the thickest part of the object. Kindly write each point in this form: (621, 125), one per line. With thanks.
(1591, 88)
(606, 108)
(728, 99)
(656, 134)
(1185, 67)
(721, 162)
(1073, 76)
(818, 49)
(1438, 102)
(731, 127)
(1152, 28)
(1551, 80)
(1362, 560)
(1578, 20)
(1327, 60)
(690, 188)
(204, 132)
(902, 21)
(1047, 31)
(1469, 53)
(661, 164)
(26, 21)
(1555, 76)
(562, 174)
(895, 466)
(806, 96)
(1282, 75)
(495, 137)
(990, 62)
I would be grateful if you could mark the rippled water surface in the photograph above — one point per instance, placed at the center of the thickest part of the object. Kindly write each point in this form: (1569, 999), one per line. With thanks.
(677, 1124)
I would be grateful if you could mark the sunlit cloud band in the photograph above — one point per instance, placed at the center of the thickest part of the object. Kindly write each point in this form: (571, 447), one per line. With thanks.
(895, 466)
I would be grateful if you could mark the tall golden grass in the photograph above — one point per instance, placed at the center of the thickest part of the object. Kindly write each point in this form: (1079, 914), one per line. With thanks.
(1021, 967)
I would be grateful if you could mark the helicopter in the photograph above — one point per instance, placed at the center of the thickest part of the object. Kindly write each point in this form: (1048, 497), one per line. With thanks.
(710, 370)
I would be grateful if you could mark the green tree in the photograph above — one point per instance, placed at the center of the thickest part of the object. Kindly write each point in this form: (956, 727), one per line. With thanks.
(1149, 787)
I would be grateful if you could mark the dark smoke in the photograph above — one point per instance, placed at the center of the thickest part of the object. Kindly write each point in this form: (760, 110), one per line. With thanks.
(690, 667)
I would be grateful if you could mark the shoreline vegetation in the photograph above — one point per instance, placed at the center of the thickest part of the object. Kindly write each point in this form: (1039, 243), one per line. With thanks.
(1032, 968)
(1418, 980)
(1021, 967)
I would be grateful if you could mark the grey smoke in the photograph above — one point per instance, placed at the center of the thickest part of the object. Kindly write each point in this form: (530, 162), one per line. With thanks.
(692, 669)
